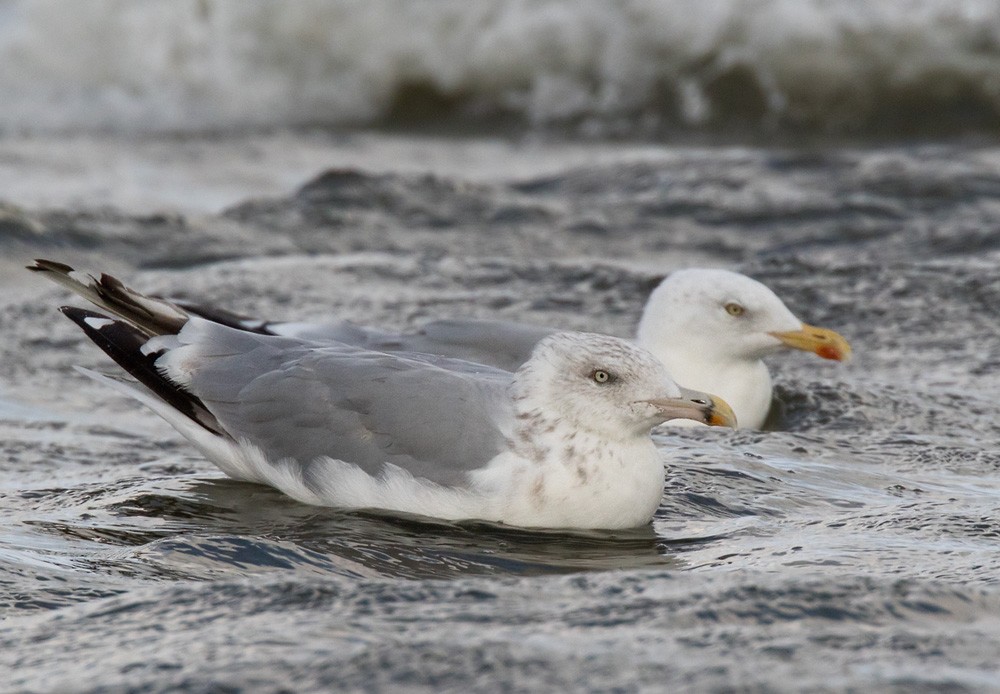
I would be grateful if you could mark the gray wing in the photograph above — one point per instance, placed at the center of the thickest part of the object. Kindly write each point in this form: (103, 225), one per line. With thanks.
(436, 418)
(502, 344)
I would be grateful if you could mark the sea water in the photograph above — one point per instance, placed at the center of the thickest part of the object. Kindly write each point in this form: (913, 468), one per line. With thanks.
(853, 547)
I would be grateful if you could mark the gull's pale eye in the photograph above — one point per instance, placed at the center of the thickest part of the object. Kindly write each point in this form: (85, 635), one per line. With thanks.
(601, 376)
(734, 309)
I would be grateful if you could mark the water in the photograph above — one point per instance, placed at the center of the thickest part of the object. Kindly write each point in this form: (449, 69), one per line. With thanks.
(595, 66)
(852, 549)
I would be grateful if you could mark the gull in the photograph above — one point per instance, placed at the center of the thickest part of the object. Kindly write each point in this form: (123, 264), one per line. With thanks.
(711, 328)
(563, 442)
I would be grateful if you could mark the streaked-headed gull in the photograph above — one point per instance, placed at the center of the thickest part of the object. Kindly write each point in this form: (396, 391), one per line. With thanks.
(562, 443)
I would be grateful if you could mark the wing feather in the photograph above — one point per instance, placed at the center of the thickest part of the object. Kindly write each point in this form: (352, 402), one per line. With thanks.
(437, 418)
(503, 344)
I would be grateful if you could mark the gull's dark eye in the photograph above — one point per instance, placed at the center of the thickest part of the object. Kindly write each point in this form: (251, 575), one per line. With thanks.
(601, 376)
(734, 309)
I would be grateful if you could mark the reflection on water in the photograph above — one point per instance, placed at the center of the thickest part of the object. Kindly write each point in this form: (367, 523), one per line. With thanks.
(203, 529)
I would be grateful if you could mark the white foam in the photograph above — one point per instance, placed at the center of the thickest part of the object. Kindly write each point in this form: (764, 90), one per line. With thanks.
(202, 64)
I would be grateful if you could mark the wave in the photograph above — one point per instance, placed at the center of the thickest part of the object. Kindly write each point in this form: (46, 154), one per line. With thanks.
(600, 66)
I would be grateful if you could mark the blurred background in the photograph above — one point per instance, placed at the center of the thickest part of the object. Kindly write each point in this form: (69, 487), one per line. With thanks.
(597, 67)
(183, 82)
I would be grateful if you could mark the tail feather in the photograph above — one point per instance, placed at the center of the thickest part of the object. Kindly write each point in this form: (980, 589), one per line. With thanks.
(124, 343)
(150, 315)
(153, 315)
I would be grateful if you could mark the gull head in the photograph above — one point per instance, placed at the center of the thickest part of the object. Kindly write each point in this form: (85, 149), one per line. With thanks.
(607, 386)
(718, 314)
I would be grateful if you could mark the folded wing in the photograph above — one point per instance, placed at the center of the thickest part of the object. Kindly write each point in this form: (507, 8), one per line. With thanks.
(435, 418)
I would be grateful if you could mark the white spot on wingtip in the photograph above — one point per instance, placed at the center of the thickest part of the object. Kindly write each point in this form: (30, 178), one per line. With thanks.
(158, 344)
(98, 323)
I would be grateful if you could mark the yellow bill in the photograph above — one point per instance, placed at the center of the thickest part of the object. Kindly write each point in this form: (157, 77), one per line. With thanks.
(700, 407)
(825, 343)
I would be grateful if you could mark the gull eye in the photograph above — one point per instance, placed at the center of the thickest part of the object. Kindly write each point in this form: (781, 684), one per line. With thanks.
(601, 376)
(734, 309)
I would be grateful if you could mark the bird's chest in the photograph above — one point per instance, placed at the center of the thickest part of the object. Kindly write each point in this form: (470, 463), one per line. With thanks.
(582, 481)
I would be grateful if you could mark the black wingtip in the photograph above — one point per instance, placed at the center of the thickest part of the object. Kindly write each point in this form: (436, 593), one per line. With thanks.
(124, 343)
(79, 315)
(118, 339)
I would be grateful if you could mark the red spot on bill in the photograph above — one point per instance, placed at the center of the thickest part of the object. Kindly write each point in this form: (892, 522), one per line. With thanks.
(828, 352)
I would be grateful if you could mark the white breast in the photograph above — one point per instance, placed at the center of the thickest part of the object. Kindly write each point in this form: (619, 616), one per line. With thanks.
(598, 487)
